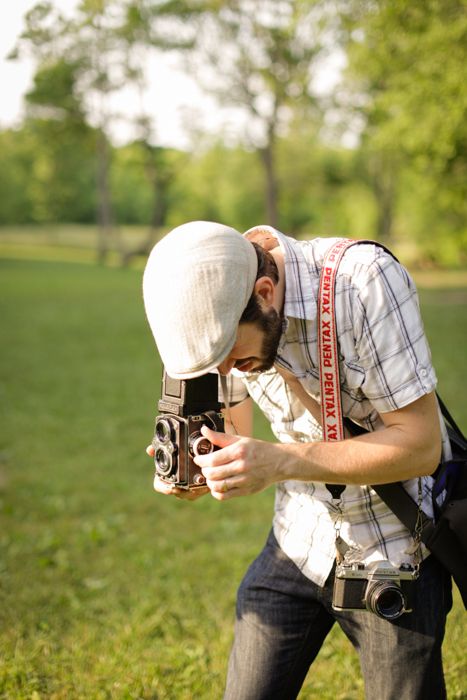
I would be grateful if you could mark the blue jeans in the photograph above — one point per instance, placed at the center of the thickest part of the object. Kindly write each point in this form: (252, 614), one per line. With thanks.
(283, 619)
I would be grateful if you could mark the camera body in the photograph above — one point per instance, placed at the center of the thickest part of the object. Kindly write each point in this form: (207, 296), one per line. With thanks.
(185, 406)
(379, 587)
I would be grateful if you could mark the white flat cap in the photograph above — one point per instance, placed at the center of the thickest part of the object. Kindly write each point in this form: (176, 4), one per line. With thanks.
(197, 282)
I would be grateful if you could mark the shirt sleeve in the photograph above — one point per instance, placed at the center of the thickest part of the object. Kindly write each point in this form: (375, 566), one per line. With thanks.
(392, 352)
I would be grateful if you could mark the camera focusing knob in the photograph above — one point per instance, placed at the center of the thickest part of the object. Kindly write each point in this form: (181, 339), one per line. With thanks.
(199, 480)
(199, 445)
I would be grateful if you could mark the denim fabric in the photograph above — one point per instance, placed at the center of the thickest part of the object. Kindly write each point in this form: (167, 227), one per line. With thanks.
(283, 619)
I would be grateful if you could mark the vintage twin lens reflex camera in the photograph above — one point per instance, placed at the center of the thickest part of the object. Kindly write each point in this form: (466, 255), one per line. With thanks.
(378, 587)
(185, 406)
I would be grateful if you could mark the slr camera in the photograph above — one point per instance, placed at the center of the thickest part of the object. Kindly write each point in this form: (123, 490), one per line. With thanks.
(185, 406)
(378, 587)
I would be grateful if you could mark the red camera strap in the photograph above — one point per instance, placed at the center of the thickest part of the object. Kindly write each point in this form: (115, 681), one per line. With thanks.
(331, 411)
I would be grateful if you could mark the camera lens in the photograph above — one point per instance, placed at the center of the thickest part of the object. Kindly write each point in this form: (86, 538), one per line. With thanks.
(163, 462)
(199, 445)
(163, 430)
(385, 599)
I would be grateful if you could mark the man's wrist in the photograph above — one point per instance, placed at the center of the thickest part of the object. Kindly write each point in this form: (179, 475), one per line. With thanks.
(290, 463)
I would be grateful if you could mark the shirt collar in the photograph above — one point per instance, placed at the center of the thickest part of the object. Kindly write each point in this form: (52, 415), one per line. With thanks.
(301, 279)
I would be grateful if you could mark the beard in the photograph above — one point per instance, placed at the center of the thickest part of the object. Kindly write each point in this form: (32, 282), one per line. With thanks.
(271, 324)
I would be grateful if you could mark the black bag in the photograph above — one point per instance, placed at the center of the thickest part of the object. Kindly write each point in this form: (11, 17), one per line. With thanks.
(446, 535)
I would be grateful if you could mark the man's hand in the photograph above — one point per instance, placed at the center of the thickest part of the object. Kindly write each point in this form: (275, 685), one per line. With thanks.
(169, 490)
(241, 466)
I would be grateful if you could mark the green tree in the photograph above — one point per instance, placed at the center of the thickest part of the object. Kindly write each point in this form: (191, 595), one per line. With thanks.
(322, 189)
(143, 181)
(63, 168)
(16, 198)
(218, 184)
(148, 27)
(83, 62)
(76, 71)
(408, 61)
(63, 164)
(47, 173)
(260, 59)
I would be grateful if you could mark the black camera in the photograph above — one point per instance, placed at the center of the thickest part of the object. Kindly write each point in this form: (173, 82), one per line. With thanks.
(185, 406)
(378, 587)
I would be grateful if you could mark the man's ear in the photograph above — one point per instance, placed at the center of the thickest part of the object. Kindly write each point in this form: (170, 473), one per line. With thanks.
(264, 288)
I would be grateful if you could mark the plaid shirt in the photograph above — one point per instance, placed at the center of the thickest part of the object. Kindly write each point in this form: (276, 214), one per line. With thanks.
(384, 363)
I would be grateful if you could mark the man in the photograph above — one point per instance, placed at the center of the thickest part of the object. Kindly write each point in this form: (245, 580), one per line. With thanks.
(247, 305)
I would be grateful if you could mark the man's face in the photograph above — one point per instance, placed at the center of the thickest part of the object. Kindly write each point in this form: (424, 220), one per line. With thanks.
(256, 345)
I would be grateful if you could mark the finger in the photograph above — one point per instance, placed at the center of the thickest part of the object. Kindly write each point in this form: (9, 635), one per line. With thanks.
(162, 486)
(150, 450)
(225, 485)
(191, 494)
(226, 470)
(226, 495)
(167, 489)
(219, 439)
(183, 494)
(221, 466)
(224, 455)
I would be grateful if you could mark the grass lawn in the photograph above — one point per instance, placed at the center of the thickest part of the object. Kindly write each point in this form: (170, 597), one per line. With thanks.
(107, 590)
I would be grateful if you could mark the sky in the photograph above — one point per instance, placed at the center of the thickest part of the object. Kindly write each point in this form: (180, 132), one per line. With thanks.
(172, 98)
(16, 76)
(176, 93)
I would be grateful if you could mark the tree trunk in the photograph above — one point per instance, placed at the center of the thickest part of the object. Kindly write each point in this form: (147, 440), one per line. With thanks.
(159, 179)
(104, 205)
(385, 216)
(271, 186)
(383, 178)
(157, 221)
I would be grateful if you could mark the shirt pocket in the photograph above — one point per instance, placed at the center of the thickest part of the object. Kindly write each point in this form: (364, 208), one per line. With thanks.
(354, 377)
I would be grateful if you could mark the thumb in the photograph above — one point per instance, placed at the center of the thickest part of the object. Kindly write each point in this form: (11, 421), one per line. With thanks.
(218, 439)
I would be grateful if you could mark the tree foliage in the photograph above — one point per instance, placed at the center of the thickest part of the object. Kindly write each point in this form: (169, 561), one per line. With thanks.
(260, 59)
(408, 62)
(404, 179)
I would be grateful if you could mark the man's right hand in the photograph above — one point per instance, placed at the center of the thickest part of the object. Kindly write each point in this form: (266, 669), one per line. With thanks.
(169, 490)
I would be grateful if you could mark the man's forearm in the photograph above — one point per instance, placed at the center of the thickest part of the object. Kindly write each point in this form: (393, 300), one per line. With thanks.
(373, 458)
(407, 447)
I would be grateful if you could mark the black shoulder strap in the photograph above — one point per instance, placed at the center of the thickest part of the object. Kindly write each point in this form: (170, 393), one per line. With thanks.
(449, 419)
(398, 500)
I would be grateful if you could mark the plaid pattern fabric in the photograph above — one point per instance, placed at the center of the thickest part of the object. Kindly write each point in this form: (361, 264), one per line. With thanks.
(385, 364)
